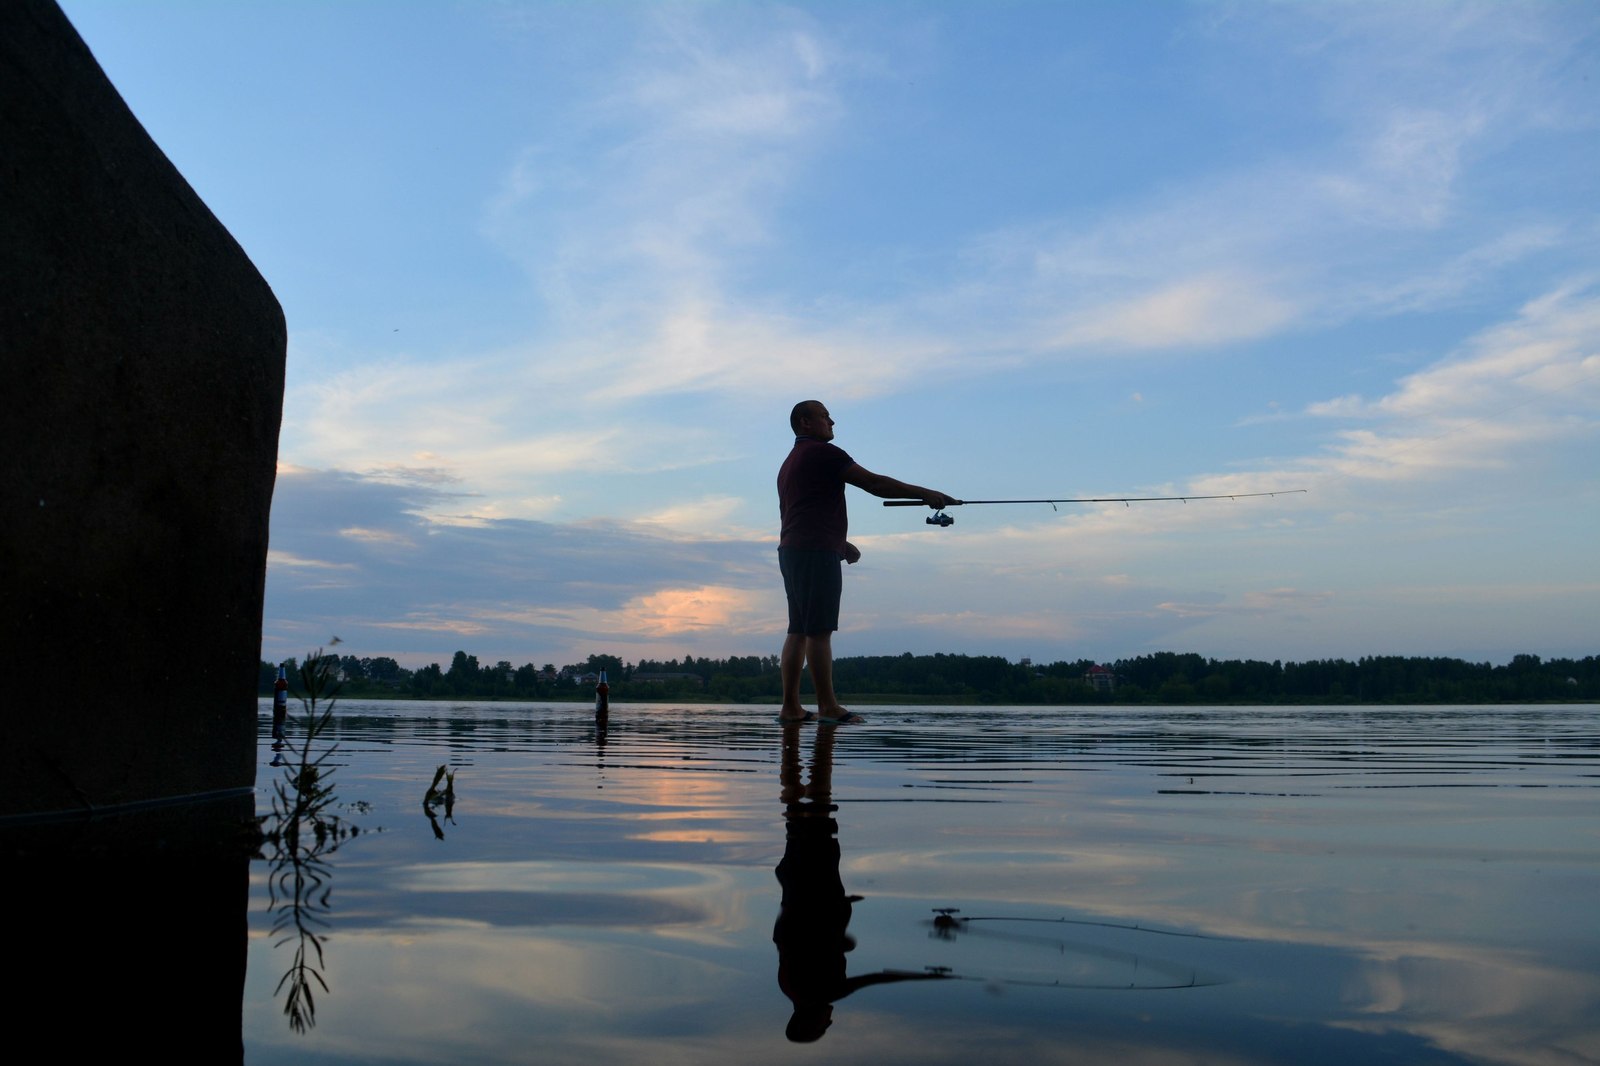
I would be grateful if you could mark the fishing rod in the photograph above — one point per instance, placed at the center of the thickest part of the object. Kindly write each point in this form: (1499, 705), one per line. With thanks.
(946, 923)
(948, 973)
(939, 518)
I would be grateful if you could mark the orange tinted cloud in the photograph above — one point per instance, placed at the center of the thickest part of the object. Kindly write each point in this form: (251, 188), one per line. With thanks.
(671, 611)
(664, 613)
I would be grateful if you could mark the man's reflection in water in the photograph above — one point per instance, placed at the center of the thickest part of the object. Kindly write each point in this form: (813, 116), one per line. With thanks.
(810, 932)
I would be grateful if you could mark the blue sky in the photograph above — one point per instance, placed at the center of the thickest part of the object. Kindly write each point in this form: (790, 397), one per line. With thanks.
(554, 274)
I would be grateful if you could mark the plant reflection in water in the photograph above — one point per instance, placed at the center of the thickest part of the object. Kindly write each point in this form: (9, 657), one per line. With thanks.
(302, 831)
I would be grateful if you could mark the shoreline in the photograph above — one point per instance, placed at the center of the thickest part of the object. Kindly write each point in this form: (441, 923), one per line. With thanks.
(906, 699)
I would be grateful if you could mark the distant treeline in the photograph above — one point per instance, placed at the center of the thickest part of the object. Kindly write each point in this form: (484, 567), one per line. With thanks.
(1164, 677)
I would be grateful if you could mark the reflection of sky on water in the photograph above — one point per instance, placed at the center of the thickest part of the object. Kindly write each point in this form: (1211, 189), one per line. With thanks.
(1403, 884)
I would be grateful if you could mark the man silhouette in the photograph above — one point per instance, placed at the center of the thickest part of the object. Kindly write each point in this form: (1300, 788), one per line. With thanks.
(812, 544)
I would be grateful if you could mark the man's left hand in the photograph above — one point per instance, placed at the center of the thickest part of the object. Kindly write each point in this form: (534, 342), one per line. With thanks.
(851, 553)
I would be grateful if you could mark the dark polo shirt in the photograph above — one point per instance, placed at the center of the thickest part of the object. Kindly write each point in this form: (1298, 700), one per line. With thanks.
(811, 496)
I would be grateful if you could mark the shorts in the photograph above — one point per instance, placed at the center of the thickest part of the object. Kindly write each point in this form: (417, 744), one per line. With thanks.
(813, 581)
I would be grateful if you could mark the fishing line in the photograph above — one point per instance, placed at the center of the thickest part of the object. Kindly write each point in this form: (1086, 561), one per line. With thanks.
(939, 518)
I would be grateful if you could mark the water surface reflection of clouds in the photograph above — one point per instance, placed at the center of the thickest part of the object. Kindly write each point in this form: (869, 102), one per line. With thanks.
(1320, 914)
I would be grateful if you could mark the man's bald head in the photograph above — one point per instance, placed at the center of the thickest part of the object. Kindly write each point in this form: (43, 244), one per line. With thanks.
(805, 412)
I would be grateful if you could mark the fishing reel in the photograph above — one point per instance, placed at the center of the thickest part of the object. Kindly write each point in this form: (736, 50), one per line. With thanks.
(939, 518)
(946, 923)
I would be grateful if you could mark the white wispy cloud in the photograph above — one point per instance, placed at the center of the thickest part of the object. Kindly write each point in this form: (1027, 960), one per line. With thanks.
(1526, 382)
(708, 517)
(1190, 312)
(289, 560)
(703, 123)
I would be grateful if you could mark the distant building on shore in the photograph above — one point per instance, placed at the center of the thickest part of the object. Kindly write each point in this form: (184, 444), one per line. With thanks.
(662, 678)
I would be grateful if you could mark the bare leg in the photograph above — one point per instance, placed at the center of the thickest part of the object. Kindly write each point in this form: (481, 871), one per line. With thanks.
(819, 656)
(790, 665)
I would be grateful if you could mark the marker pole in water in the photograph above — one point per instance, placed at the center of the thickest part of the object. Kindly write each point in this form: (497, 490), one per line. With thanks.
(602, 699)
(280, 702)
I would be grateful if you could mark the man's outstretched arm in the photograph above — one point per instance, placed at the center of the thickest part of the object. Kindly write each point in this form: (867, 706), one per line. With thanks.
(891, 489)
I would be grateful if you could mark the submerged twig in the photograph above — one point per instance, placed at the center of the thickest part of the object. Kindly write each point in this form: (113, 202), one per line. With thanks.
(435, 797)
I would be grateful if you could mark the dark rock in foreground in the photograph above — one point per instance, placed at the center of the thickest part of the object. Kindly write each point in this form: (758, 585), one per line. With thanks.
(142, 357)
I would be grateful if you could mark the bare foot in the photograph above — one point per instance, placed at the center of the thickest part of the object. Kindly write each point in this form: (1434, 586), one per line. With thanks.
(840, 716)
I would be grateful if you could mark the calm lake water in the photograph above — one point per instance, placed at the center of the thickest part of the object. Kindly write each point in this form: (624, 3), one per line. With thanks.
(699, 884)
